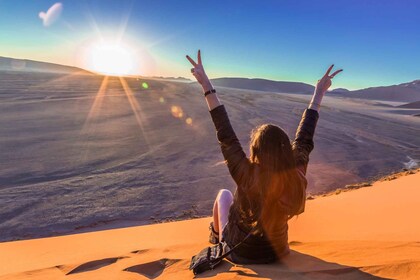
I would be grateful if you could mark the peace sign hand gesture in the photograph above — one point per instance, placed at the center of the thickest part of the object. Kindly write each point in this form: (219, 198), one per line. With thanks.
(199, 73)
(321, 88)
(325, 82)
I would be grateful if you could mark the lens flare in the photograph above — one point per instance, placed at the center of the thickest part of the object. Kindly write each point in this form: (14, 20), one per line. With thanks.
(177, 112)
(145, 85)
(161, 99)
(189, 121)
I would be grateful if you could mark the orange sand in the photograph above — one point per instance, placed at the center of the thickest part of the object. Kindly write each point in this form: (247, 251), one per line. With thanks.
(369, 233)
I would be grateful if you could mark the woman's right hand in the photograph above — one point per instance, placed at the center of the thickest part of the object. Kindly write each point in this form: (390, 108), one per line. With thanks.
(325, 82)
(321, 88)
(199, 73)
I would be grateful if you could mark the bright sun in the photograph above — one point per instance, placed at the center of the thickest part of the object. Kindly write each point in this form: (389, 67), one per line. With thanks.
(111, 59)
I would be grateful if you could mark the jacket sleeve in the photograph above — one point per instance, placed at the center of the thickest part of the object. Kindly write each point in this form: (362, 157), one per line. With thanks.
(303, 143)
(237, 162)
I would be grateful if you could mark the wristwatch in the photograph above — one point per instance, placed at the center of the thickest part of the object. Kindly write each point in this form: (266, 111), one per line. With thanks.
(209, 92)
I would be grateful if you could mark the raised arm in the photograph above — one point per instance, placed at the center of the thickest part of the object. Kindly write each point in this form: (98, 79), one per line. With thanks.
(237, 162)
(303, 143)
(321, 88)
(201, 76)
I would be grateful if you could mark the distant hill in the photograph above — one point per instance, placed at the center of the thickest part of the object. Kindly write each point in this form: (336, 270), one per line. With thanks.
(340, 90)
(406, 92)
(176, 79)
(25, 65)
(412, 105)
(263, 85)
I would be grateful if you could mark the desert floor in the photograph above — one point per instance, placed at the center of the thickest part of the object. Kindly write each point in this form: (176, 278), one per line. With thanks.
(83, 153)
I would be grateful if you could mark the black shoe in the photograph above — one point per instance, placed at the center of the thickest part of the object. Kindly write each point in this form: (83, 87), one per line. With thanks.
(214, 235)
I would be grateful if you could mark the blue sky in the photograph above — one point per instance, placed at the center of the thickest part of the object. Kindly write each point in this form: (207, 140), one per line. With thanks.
(375, 42)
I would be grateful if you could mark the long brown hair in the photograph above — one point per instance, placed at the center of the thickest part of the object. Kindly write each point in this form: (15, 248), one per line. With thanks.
(276, 191)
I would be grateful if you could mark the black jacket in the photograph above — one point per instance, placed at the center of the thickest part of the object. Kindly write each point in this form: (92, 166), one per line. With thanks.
(258, 247)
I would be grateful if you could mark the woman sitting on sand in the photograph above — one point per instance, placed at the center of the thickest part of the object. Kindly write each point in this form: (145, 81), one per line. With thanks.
(271, 183)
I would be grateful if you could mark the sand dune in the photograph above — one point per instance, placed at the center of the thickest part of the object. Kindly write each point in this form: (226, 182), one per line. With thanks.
(369, 233)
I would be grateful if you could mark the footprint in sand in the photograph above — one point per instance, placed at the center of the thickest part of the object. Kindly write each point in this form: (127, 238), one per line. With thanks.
(139, 251)
(89, 266)
(152, 269)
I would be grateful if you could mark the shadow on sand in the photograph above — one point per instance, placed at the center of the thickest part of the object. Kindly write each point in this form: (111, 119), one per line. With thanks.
(294, 266)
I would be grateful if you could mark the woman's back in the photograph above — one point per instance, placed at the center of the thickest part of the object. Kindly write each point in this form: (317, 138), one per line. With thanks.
(249, 212)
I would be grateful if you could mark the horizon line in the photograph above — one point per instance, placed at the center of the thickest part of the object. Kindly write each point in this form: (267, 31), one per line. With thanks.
(182, 77)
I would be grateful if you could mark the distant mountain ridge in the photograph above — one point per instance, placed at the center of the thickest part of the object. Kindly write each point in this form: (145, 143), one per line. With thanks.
(264, 85)
(405, 92)
(412, 105)
(26, 65)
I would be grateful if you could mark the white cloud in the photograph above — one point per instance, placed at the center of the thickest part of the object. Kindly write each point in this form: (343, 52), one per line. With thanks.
(52, 14)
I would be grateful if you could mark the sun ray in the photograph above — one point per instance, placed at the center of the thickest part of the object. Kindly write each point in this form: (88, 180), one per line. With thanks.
(137, 110)
(135, 106)
(165, 39)
(96, 103)
(62, 78)
(87, 129)
(62, 38)
(124, 23)
(92, 22)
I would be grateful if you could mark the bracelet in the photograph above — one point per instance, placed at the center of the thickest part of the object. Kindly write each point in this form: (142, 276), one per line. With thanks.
(209, 92)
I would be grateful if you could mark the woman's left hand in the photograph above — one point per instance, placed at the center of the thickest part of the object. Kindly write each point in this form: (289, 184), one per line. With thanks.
(199, 73)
